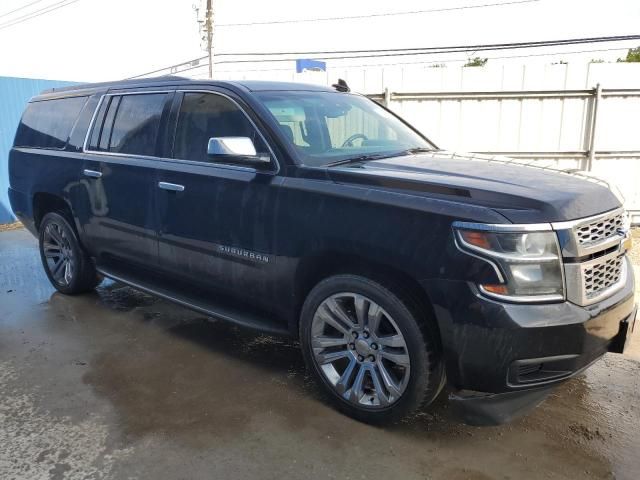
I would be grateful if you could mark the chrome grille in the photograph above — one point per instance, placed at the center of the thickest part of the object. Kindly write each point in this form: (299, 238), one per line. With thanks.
(594, 262)
(601, 276)
(600, 230)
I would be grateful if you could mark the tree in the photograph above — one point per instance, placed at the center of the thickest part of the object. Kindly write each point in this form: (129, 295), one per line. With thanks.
(476, 62)
(633, 55)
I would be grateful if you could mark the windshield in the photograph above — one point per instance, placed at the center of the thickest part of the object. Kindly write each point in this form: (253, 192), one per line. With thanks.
(328, 127)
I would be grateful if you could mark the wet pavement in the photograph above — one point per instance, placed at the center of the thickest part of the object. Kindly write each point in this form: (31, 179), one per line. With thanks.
(119, 385)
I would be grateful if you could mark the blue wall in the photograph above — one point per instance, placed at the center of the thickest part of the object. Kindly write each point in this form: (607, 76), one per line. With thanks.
(14, 94)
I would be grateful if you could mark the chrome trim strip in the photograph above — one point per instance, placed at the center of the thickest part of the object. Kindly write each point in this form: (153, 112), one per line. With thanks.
(93, 119)
(507, 257)
(501, 278)
(175, 160)
(191, 162)
(504, 227)
(573, 223)
(523, 299)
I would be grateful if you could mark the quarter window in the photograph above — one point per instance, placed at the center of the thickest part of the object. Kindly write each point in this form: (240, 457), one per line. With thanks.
(48, 123)
(206, 115)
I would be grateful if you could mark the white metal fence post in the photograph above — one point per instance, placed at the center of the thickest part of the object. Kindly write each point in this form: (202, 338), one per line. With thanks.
(597, 95)
(387, 97)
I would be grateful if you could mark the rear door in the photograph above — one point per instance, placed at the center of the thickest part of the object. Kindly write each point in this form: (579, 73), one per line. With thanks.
(216, 219)
(119, 177)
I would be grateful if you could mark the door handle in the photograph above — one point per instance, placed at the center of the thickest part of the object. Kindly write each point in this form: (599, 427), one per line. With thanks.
(92, 174)
(172, 187)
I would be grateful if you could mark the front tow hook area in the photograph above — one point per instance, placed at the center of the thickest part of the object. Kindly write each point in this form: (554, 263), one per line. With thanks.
(490, 409)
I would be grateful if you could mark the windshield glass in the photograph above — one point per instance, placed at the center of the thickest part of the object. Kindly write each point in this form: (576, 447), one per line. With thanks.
(328, 127)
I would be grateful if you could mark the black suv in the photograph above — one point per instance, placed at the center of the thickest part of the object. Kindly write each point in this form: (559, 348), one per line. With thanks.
(317, 213)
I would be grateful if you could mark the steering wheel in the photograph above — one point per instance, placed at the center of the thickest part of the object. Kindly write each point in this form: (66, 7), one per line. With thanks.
(349, 141)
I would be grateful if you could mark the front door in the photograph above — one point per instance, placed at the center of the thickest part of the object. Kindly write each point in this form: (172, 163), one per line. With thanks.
(215, 219)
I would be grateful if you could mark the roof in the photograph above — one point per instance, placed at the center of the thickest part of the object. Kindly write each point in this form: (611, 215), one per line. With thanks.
(250, 85)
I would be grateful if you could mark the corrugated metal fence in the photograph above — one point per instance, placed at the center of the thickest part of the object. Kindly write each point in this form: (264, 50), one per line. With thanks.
(595, 129)
(14, 94)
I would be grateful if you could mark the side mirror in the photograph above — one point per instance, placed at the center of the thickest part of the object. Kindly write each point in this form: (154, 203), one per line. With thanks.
(236, 150)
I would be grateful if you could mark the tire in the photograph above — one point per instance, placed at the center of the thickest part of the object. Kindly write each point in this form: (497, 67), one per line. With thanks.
(69, 269)
(377, 314)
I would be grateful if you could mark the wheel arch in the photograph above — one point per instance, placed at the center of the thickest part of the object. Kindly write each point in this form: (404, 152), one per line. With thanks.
(44, 202)
(313, 269)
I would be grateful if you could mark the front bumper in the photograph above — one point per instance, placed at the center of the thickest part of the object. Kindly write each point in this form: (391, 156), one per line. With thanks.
(502, 359)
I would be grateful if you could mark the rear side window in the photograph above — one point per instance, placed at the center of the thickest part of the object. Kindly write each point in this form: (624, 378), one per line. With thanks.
(128, 124)
(48, 123)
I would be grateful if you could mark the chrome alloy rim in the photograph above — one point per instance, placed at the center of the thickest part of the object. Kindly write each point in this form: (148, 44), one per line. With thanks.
(360, 350)
(58, 254)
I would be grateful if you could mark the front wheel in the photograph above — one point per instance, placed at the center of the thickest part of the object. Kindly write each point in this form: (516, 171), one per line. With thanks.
(69, 268)
(364, 344)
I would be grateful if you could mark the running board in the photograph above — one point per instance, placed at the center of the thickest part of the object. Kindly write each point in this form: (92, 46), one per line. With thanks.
(199, 304)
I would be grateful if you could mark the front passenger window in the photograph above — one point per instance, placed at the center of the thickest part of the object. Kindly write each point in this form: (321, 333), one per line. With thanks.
(206, 115)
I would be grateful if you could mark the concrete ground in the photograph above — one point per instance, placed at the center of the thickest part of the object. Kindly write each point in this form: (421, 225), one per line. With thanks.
(119, 385)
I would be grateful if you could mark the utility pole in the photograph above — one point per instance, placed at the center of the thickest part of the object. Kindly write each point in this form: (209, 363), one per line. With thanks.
(208, 24)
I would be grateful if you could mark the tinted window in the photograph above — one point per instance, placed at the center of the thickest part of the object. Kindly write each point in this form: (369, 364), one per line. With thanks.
(130, 124)
(107, 126)
(327, 127)
(206, 115)
(136, 124)
(97, 128)
(47, 124)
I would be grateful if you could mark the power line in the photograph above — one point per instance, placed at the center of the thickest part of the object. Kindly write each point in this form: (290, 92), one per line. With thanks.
(438, 50)
(463, 48)
(449, 60)
(50, 8)
(415, 52)
(20, 8)
(171, 67)
(374, 15)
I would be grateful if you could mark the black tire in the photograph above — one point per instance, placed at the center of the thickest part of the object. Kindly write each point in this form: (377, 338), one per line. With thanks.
(82, 276)
(426, 373)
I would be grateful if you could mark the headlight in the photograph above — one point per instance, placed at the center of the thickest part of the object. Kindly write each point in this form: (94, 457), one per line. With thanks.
(529, 263)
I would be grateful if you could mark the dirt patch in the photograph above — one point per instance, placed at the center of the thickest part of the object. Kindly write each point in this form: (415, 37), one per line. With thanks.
(11, 226)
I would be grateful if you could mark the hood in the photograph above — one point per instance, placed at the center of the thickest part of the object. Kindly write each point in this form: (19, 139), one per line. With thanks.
(523, 193)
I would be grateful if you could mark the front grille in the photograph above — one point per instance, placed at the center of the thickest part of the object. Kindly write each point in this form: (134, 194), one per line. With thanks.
(600, 276)
(593, 256)
(600, 230)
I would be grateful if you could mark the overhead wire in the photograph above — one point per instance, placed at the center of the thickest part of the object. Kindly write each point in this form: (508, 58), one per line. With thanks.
(37, 13)
(20, 8)
(390, 52)
(443, 61)
(374, 15)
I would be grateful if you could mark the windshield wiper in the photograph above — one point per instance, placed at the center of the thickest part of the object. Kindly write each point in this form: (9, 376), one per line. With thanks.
(413, 151)
(359, 158)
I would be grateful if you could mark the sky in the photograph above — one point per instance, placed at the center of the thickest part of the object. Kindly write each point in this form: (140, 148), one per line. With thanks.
(93, 40)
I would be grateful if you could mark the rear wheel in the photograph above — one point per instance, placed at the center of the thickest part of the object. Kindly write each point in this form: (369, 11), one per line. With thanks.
(69, 268)
(364, 344)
